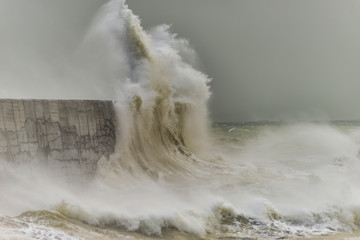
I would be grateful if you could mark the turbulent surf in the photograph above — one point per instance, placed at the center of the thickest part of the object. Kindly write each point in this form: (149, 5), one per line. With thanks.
(173, 174)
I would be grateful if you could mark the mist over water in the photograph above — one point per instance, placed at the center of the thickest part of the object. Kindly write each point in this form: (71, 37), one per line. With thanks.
(173, 174)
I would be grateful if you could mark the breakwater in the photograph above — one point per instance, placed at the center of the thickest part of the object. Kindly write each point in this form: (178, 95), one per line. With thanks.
(61, 132)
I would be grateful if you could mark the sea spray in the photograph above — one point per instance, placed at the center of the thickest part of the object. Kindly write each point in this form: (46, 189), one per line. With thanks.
(162, 96)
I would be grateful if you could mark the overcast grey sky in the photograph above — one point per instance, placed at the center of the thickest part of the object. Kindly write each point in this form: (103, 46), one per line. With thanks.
(269, 59)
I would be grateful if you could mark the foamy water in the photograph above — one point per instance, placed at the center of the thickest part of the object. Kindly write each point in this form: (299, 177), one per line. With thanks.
(173, 175)
(270, 181)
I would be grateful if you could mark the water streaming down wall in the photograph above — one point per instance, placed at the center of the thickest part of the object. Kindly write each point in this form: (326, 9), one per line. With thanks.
(61, 132)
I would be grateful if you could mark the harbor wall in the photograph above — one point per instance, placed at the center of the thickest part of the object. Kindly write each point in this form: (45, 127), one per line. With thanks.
(62, 132)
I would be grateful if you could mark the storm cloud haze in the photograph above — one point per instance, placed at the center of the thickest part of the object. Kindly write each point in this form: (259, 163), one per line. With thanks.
(272, 60)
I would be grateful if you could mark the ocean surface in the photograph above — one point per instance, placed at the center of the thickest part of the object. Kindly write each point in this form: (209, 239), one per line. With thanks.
(262, 181)
(174, 175)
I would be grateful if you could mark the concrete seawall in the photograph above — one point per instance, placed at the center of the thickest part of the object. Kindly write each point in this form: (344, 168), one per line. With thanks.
(61, 132)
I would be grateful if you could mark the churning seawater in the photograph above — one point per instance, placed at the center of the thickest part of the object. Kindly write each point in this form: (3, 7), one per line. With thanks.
(263, 181)
(173, 176)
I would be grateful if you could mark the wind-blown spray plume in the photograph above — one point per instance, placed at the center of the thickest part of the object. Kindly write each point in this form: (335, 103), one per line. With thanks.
(162, 96)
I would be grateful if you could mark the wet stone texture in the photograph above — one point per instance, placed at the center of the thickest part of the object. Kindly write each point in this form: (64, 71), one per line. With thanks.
(60, 132)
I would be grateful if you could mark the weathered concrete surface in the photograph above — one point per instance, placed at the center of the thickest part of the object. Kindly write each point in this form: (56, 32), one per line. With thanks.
(57, 131)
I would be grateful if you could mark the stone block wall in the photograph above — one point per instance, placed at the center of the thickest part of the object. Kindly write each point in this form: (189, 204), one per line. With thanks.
(78, 132)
